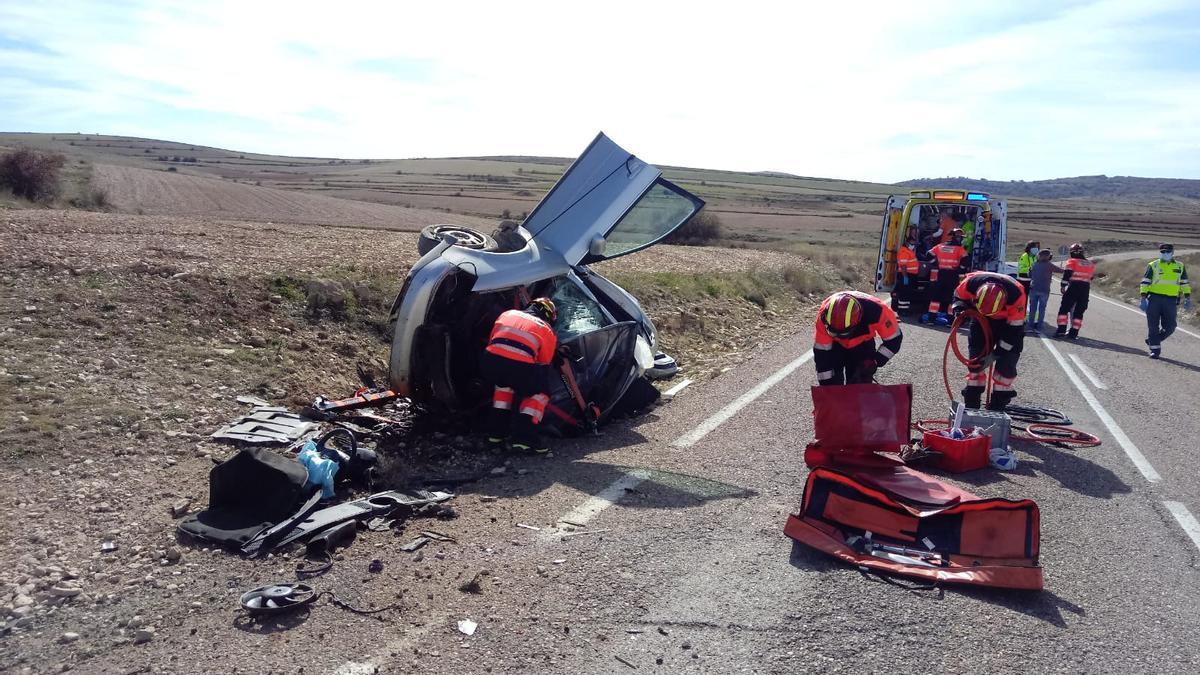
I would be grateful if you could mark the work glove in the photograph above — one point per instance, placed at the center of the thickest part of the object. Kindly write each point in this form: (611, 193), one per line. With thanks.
(1145, 303)
(958, 308)
(1187, 303)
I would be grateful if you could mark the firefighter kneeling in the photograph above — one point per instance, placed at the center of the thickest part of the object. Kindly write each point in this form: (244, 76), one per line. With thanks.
(1001, 300)
(517, 361)
(844, 347)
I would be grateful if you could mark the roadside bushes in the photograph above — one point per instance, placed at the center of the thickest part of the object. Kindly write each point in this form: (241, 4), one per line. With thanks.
(702, 230)
(31, 174)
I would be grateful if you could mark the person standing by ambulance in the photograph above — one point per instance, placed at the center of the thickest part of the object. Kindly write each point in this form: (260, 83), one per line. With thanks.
(1163, 287)
(1076, 290)
(908, 269)
(951, 260)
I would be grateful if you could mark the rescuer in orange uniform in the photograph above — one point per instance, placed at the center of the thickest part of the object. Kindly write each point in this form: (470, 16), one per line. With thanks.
(950, 260)
(1076, 289)
(520, 349)
(908, 269)
(844, 350)
(1001, 300)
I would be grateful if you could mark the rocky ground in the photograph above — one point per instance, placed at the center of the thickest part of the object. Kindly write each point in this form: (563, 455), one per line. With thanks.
(124, 341)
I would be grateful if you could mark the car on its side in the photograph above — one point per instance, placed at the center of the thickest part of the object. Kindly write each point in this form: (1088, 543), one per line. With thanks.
(607, 204)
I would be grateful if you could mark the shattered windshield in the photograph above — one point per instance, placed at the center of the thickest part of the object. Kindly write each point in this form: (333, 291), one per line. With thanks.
(578, 313)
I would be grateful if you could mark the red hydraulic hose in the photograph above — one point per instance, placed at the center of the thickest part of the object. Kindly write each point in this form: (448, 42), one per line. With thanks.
(952, 344)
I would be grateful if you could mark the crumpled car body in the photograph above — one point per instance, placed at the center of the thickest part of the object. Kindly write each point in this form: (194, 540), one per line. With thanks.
(607, 204)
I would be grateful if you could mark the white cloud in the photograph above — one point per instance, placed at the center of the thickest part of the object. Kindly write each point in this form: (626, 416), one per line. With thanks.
(882, 91)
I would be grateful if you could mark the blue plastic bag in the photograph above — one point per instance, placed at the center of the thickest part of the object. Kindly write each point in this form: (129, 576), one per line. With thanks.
(321, 470)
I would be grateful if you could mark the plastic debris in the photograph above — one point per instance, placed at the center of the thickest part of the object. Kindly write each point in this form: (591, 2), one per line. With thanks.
(467, 627)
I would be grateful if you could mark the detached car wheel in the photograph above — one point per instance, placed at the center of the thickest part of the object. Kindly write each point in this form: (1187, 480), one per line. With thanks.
(432, 235)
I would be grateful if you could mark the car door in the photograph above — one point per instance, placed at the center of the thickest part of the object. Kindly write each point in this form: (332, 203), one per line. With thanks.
(608, 203)
(604, 367)
(891, 237)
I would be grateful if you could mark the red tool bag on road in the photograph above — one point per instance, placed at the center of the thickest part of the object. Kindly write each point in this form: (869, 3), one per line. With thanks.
(863, 506)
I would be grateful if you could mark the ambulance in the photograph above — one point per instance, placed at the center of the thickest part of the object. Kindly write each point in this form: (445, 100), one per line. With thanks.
(928, 215)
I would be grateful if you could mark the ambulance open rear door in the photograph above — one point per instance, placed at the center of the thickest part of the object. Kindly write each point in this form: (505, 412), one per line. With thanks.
(891, 237)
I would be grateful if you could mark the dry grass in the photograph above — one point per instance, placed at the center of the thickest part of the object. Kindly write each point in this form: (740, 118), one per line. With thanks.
(1120, 279)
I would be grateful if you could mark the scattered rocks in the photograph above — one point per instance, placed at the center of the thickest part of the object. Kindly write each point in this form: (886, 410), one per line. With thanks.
(143, 635)
(68, 638)
(65, 590)
(180, 508)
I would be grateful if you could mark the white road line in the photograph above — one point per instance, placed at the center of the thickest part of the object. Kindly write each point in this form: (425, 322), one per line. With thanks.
(670, 393)
(1088, 372)
(1140, 313)
(1186, 520)
(1135, 455)
(707, 426)
(581, 514)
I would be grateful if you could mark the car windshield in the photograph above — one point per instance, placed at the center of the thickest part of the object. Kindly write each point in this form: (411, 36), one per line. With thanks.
(650, 219)
(577, 312)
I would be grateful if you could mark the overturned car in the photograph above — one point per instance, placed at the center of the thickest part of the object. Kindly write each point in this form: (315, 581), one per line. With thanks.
(607, 204)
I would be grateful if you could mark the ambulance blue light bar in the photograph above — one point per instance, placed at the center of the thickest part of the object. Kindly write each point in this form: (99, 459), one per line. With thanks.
(976, 197)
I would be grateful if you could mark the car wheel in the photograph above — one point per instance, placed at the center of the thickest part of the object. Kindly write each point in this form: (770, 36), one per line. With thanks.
(432, 235)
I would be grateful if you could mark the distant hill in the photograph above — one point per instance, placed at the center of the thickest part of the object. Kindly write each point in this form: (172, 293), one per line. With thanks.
(1103, 187)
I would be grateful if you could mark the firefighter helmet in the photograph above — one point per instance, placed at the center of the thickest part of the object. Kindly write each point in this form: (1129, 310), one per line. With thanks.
(543, 307)
(1076, 250)
(957, 233)
(843, 313)
(990, 299)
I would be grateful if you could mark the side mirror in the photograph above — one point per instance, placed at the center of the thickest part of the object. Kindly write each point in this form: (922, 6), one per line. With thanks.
(596, 247)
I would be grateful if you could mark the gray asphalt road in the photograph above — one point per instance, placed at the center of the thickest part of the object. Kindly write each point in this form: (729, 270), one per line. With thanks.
(689, 569)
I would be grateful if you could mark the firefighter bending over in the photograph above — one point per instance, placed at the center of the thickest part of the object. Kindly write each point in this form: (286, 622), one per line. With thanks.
(517, 361)
(1001, 300)
(844, 350)
(1076, 289)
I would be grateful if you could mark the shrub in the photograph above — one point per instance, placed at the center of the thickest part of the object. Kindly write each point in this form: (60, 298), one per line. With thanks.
(172, 169)
(704, 228)
(505, 215)
(31, 174)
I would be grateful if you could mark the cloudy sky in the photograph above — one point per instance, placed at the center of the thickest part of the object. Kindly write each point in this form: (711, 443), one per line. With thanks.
(1026, 89)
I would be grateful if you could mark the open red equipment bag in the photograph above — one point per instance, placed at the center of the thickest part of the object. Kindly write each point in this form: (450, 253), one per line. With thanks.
(868, 509)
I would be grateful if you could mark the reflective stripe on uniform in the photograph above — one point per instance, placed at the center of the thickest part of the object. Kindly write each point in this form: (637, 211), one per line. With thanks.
(1016, 322)
(509, 351)
(502, 398)
(535, 407)
(823, 347)
(980, 377)
(1005, 345)
(824, 374)
(885, 352)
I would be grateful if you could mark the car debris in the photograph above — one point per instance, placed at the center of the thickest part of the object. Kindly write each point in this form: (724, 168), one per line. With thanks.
(415, 544)
(266, 424)
(529, 527)
(467, 627)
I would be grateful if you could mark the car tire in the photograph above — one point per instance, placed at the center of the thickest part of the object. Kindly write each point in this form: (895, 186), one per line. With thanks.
(432, 235)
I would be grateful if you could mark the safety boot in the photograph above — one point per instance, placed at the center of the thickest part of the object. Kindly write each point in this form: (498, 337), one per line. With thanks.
(1061, 332)
(1155, 350)
(1073, 334)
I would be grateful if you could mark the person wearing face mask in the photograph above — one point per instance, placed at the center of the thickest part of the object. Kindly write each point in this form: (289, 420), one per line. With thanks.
(1076, 290)
(1163, 287)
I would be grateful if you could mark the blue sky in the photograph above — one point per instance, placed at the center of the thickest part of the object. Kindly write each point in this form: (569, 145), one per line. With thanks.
(876, 91)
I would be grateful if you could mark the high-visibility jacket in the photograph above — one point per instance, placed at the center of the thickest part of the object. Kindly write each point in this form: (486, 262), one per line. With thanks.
(1014, 295)
(947, 223)
(1166, 278)
(878, 321)
(1078, 271)
(906, 260)
(1025, 264)
(949, 256)
(522, 337)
